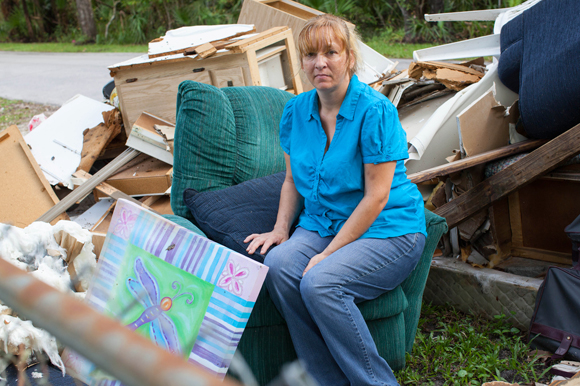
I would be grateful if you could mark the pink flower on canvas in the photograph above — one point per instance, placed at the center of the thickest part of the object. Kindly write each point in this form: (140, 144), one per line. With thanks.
(232, 278)
(125, 224)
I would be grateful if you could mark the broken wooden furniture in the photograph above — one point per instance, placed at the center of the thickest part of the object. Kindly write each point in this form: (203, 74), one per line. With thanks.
(531, 206)
(214, 151)
(150, 84)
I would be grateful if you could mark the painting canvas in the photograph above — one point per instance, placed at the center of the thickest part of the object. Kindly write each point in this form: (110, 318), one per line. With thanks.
(186, 293)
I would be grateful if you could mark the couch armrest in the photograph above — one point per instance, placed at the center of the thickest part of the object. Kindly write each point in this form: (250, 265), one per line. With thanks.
(414, 285)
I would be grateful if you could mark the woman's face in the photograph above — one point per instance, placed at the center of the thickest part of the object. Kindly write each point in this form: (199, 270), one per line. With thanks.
(328, 66)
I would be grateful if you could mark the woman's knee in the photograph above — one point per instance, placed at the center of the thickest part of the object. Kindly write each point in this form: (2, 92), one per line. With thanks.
(317, 286)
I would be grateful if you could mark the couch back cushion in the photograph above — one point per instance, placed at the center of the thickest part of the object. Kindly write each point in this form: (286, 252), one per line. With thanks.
(224, 137)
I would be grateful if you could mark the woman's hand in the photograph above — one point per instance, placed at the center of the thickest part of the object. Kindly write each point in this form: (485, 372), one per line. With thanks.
(266, 240)
(315, 260)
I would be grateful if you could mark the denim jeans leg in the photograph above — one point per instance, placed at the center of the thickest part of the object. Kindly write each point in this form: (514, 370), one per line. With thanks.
(286, 263)
(361, 270)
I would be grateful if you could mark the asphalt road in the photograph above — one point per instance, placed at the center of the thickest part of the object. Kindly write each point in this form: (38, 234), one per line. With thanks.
(54, 78)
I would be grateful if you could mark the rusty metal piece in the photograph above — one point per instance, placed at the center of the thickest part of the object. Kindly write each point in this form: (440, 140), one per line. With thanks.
(128, 356)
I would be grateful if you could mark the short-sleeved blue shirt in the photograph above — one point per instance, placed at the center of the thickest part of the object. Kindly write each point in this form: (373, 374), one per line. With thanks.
(332, 184)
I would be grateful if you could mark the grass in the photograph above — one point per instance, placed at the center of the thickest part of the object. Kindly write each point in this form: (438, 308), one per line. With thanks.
(452, 348)
(395, 50)
(15, 112)
(71, 47)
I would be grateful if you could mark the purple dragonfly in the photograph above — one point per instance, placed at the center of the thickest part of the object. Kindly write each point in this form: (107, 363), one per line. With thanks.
(162, 328)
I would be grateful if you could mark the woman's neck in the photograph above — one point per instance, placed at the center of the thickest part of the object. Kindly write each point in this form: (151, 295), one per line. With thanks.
(331, 100)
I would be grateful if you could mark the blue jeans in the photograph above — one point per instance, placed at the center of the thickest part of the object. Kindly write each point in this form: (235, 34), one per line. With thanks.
(328, 331)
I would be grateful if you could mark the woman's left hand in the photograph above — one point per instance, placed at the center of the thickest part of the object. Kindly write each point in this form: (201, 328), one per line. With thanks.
(314, 260)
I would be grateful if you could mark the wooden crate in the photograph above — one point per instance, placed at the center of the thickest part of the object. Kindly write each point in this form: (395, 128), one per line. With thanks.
(150, 84)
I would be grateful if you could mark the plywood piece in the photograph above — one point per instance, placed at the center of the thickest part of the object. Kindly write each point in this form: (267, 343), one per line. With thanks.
(155, 89)
(162, 205)
(177, 40)
(483, 125)
(227, 77)
(144, 175)
(25, 194)
(547, 207)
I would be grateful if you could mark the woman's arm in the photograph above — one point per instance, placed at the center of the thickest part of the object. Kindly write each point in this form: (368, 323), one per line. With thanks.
(291, 203)
(378, 180)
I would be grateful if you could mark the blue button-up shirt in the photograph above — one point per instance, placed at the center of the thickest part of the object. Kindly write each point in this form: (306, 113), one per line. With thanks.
(332, 183)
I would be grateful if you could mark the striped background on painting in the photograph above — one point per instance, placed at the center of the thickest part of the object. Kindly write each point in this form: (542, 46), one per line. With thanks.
(220, 331)
(107, 270)
(227, 314)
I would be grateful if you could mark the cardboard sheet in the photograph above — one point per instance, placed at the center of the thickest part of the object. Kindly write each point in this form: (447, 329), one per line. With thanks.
(25, 194)
(483, 125)
(57, 142)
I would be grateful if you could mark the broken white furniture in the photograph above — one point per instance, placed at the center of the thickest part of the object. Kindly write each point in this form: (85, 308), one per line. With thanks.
(57, 143)
(482, 46)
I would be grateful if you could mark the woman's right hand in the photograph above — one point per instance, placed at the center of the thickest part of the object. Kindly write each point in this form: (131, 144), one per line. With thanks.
(265, 240)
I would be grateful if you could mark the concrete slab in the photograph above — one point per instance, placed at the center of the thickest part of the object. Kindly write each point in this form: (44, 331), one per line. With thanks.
(482, 291)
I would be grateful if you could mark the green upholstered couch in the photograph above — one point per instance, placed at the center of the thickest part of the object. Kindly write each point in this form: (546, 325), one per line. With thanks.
(227, 136)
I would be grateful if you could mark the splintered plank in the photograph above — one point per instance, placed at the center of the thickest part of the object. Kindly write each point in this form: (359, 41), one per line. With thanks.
(242, 45)
(512, 178)
(466, 163)
(95, 140)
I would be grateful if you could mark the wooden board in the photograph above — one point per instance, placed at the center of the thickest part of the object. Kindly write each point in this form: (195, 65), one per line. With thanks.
(25, 194)
(546, 208)
(142, 176)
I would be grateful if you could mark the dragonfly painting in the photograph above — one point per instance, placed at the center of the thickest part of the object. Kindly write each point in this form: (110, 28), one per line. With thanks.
(146, 291)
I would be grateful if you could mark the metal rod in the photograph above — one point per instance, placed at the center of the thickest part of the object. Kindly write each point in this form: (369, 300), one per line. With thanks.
(124, 354)
(86, 188)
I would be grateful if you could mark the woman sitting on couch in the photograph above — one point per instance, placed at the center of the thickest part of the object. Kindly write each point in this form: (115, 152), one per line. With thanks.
(361, 225)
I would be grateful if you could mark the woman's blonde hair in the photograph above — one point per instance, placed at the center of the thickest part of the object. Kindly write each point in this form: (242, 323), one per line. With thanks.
(321, 29)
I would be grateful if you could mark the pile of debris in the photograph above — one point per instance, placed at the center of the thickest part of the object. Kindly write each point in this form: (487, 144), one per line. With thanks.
(462, 124)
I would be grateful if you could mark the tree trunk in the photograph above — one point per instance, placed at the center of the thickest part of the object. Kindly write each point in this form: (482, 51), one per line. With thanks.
(87, 19)
(436, 6)
(7, 8)
(408, 38)
(28, 22)
(40, 17)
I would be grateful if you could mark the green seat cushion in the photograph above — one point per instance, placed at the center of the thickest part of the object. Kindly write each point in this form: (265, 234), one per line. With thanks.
(388, 304)
(221, 137)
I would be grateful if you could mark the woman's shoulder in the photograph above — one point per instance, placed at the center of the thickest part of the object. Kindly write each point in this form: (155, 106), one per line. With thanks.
(301, 99)
(371, 99)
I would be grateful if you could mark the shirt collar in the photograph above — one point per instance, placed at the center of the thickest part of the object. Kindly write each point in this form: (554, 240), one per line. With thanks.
(348, 105)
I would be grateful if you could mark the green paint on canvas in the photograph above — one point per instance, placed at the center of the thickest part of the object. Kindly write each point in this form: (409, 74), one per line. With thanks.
(187, 318)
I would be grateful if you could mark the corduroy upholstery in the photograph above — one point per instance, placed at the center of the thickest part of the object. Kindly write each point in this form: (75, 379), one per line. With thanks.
(210, 155)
